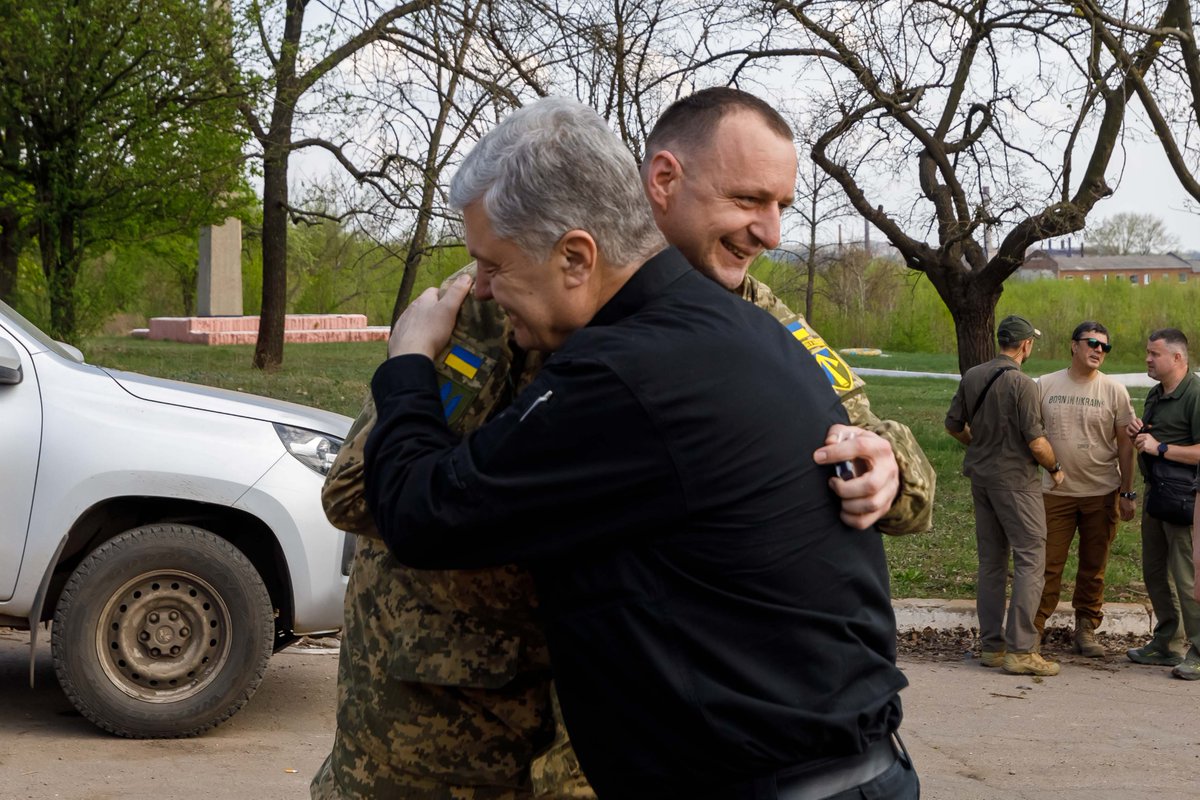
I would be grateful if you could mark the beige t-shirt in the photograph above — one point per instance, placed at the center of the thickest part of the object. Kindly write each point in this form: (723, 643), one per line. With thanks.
(1082, 419)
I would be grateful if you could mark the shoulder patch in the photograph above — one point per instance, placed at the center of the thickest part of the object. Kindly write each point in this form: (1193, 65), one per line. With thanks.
(841, 377)
(463, 369)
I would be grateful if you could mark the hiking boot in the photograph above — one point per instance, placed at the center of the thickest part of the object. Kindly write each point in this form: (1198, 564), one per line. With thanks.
(1085, 638)
(1189, 668)
(992, 658)
(1029, 664)
(1154, 653)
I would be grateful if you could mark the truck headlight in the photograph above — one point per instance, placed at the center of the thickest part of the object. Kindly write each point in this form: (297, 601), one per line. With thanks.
(314, 450)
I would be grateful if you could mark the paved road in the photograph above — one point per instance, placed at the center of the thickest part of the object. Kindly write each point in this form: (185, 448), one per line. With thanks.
(1131, 379)
(1097, 732)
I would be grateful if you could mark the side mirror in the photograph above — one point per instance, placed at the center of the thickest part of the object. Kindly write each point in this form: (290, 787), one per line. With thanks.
(10, 364)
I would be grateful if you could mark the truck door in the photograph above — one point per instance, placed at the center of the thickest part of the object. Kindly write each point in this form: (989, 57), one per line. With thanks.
(20, 446)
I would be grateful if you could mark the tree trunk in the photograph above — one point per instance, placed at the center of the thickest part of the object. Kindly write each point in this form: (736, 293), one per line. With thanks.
(974, 317)
(412, 260)
(10, 251)
(268, 351)
(61, 268)
(810, 287)
(10, 222)
(277, 147)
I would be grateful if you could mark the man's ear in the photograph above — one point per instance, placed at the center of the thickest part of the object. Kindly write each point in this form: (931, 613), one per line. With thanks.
(578, 255)
(662, 176)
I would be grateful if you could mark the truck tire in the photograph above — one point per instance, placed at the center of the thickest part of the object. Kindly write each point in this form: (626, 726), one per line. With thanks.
(163, 631)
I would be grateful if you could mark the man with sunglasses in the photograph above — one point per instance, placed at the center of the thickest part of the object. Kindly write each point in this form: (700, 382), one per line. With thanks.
(1085, 414)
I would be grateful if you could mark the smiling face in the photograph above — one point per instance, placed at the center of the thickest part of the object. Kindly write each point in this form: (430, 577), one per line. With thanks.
(720, 203)
(535, 293)
(1085, 358)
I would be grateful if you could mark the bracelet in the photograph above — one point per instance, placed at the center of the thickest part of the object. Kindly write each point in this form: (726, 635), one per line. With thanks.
(1129, 495)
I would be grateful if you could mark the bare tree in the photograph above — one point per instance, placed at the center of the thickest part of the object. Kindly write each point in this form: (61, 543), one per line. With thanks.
(1130, 234)
(947, 98)
(819, 202)
(1169, 88)
(280, 70)
(860, 284)
(452, 84)
(628, 60)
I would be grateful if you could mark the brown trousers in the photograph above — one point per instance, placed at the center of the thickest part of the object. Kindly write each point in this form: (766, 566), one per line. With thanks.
(1096, 520)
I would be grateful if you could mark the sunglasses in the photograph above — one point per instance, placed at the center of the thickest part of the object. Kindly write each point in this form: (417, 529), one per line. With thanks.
(1094, 343)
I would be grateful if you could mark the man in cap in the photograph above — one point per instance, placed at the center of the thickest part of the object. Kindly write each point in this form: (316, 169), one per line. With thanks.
(997, 415)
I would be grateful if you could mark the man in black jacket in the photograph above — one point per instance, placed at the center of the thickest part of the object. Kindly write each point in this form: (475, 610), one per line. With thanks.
(716, 629)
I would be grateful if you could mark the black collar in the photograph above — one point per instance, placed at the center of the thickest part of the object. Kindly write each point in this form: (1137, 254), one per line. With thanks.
(647, 283)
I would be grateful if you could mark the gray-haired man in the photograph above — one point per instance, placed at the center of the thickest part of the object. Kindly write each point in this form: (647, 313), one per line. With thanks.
(682, 553)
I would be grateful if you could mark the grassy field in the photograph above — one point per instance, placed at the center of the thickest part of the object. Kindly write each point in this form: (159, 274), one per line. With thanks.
(940, 563)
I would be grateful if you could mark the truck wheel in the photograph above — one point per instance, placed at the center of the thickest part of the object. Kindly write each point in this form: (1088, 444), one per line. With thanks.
(163, 632)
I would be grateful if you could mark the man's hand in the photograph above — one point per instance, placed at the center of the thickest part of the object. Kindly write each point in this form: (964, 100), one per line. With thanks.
(868, 496)
(1125, 508)
(426, 325)
(1146, 443)
(1058, 477)
(1134, 427)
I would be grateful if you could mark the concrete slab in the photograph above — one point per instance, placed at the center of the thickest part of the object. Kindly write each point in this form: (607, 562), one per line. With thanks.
(312, 328)
(1131, 379)
(1119, 618)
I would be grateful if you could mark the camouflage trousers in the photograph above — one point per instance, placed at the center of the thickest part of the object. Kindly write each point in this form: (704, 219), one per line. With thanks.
(555, 772)
(443, 685)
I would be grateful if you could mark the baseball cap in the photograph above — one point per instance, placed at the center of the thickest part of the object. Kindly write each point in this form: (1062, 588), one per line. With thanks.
(1013, 329)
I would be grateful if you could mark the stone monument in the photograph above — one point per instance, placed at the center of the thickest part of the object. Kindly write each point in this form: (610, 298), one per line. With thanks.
(219, 293)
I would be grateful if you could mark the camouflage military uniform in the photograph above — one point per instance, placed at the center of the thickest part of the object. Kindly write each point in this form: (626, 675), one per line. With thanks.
(431, 661)
(912, 510)
(443, 677)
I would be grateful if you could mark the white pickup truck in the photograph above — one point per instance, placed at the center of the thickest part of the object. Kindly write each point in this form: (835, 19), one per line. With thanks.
(173, 533)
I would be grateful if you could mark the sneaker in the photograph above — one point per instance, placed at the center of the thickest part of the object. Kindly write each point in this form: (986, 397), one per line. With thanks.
(1189, 668)
(1029, 664)
(992, 658)
(1154, 653)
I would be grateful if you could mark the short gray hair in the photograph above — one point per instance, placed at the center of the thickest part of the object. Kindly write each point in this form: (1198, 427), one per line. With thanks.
(552, 167)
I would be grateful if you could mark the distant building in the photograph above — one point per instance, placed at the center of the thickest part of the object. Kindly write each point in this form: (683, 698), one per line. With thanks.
(1069, 265)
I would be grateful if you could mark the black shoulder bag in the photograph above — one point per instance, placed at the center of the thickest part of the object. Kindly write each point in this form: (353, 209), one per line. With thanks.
(1170, 490)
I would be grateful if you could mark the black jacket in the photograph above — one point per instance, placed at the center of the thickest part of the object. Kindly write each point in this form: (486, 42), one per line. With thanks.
(709, 616)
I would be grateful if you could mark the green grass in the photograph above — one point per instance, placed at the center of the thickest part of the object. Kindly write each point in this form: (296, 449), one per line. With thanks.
(946, 362)
(942, 563)
(330, 376)
(939, 564)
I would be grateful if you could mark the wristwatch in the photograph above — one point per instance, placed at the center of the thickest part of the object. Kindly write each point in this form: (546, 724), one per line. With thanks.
(1162, 449)
(1056, 468)
(1129, 495)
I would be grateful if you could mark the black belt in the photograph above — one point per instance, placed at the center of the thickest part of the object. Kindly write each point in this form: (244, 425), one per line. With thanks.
(840, 775)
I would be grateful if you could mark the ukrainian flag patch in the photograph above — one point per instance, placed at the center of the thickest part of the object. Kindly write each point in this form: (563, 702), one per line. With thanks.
(463, 361)
(837, 370)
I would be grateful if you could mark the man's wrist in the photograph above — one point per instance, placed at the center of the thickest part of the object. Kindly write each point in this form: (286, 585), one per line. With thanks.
(1057, 467)
(1162, 449)
(1131, 495)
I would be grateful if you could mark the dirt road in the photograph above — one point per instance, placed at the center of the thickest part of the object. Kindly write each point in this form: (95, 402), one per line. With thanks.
(268, 751)
(1099, 731)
